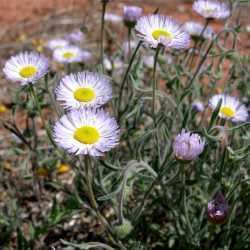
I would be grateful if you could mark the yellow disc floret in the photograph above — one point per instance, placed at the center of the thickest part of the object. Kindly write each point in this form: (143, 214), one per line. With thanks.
(157, 33)
(227, 111)
(87, 135)
(68, 55)
(28, 71)
(84, 94)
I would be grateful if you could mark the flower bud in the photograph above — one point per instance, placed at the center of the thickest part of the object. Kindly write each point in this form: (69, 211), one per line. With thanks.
(198, 106)
(124, 229)
(187, 146)
(130, 15)
(217, 209)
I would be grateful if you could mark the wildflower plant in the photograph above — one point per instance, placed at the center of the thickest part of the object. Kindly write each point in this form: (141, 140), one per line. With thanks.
(150, 154)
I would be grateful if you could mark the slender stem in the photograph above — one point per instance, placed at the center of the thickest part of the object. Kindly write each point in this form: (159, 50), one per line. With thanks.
(125, 78)
(197, 41)
(158, 179)
(129, 42)
(184, 197)
(38, 106)
(120, 202)
(104, 5)
(154, 86)
(200, 65)
(91, 195)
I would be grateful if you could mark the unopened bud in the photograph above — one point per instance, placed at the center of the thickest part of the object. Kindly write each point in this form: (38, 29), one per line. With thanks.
(217, 209)
(124, 229)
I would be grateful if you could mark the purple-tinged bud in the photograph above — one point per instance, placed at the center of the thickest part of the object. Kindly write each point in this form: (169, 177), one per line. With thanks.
(130, 15)
(198, 106)
(187, 146)
(218, 209)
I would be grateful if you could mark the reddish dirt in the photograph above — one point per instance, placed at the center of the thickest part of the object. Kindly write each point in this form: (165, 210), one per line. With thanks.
(14, 11)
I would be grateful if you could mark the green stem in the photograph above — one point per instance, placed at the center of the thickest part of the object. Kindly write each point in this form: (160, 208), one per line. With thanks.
(158, 179)
(38, 106)
(184, 197)
(197, 41)
(104, 5)
(199, 66)
(91, 196)
(129, 42)
(154, 86)
(125, 79)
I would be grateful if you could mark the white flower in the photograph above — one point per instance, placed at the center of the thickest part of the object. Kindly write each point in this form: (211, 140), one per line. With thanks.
(211, 9)
(26, 67)
(87, 132)
(69, 54)
(57, 43)
(84, 89)
(198, 106)
(86, 56)
(75, 37)
(230, 109)
(195, 29)
(188, 146)
(158, 29)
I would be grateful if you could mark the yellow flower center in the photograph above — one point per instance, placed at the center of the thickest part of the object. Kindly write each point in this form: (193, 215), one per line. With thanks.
(87, 135)
(209, 10)
(157, 33)
(28, 71)
(3, 108)
(84, 94)
(63, 168)
(68, 55)
(227, 111)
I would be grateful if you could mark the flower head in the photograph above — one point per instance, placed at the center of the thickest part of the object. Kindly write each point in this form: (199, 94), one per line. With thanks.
(217, 209)
(26, 67)
(75, 37)
(69, 54)
(57, 43)
(211, 9)
(86, 56)
(131, 14)
(84, 89)
(187, 146)
(198, 106)
(161, 30)
(195, 29)
(86, 132)
(230, 108)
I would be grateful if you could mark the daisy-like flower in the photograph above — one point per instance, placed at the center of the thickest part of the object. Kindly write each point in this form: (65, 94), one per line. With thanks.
(87, 132)
(211, 9)
(161, 30)
(195, 29)
(187, 146)
(84, 89)
(230, 109)
(57, 43)
(69, 54)
(26, 67)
